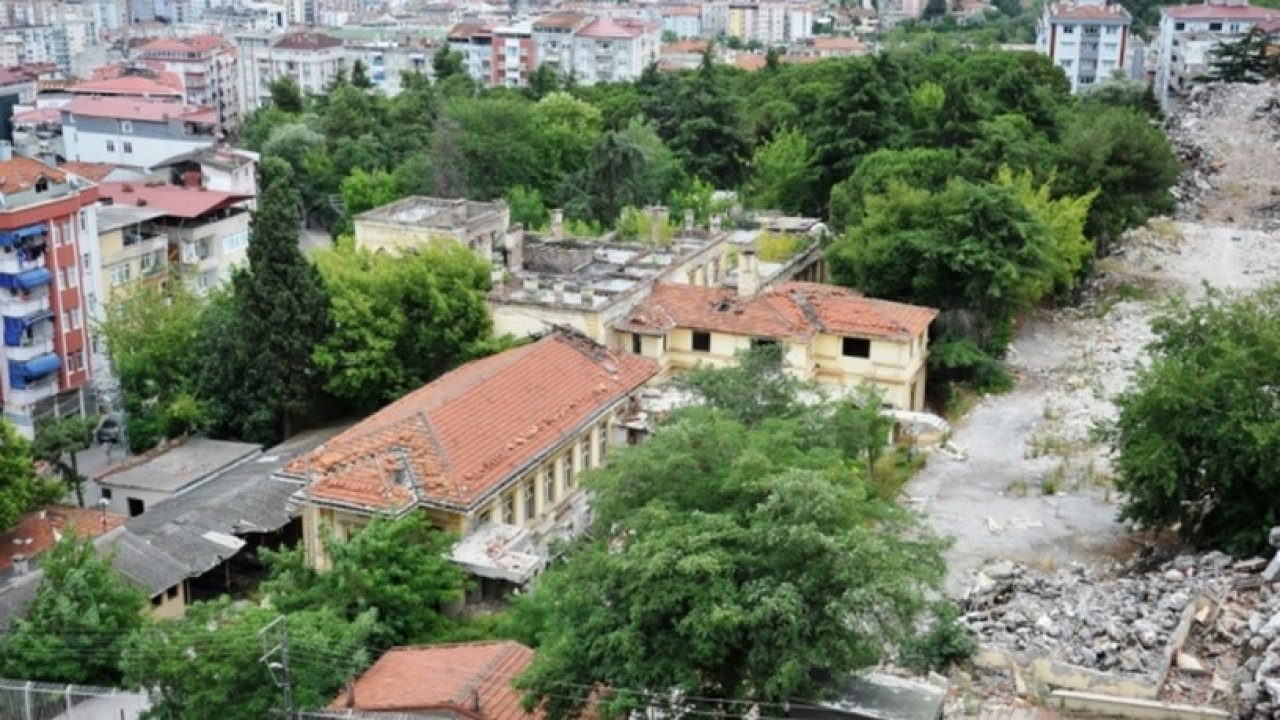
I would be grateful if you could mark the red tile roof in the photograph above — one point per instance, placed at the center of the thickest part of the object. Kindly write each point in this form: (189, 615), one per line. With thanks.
(463, 435)
(561, 19)
(685, 47)
(89, 171)
(195, 44)
(38, 531)
(619, 29)
(38, 115)
(682, 11)
(173, 200)
(1088, 11)
(21, 172)
(132, 108)
(794, 310)
(471, 679)
(134, 85)
(307, 41)
(1226, 12)
(467, 30)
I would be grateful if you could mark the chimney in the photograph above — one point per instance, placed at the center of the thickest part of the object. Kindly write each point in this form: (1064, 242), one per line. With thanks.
(748, 274)
(557, 225)
(715, 222)
(688, 220)
(21, 566)
(6, 151)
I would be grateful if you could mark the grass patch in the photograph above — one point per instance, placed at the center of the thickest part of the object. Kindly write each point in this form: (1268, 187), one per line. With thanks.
(1165, 229)
(960, 400)
(1017, 488)
(1052, 483)
(892, 470)
(1047, 444)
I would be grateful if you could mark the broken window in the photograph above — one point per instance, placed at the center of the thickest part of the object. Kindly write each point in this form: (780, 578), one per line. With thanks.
(702, 342)
(857, 347)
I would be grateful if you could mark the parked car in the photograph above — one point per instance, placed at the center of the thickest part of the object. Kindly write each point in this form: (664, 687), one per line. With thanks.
(108, 430)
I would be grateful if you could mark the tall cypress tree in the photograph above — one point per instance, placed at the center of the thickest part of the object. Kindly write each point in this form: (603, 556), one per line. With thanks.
(282, 305)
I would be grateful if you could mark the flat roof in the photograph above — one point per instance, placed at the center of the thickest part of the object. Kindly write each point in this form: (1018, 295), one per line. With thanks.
(112, 217)
(432, 212)
(180, 465)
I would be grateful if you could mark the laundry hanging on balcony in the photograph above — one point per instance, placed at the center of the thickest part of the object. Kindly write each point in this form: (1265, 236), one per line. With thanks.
(13, 237)
(21, 373)
(26, 280)
(15, 327)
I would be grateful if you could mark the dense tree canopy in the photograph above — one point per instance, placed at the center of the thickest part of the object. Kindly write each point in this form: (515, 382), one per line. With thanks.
(1198, 433)
(20, 488)
(731, 563)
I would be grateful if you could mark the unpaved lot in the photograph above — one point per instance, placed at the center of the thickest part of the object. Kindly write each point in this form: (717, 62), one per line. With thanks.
(1036, 486)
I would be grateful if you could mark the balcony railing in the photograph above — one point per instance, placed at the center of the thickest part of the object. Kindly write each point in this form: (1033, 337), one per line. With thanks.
(32, 393)
(30, 348)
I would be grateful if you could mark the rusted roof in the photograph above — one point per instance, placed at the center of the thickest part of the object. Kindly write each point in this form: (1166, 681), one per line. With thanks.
(457, 439)
(21, 172)
(471, 679)
(135, 85)
(792, 311)
(39, 531)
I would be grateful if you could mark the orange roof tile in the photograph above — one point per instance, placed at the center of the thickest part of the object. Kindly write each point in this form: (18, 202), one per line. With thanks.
(38, 531)
(459, 438)
(95, 172)
(194, 44)
(21, 172)
(473, 679)
(135, 85)
(685, 46)
(794, 310)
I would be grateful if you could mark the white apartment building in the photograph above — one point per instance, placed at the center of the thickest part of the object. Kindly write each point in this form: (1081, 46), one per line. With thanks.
(43, 44)
(715, 18)
(313, 60)
(553, 35)
(614, 50)
(769, 22)
(1189, 35)
(206, 64)
(685, 21)
(134, 132)
(474, 41)
(385, 61)
(1087, 39)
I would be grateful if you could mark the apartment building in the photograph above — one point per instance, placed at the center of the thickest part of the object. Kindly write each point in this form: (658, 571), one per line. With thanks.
(474, 41)
(207, 230)
(134, 132)
(769, 22)
(48, 263)
(313, 60)
(1087, 39)
(614, 50)
(553, 39)
(384, 62)
(1190, 34)
(684, 21)
(206, 65)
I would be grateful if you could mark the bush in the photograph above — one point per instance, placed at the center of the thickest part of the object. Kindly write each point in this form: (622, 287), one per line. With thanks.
(946, 642)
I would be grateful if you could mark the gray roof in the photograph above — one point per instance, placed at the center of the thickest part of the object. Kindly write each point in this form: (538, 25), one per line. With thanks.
(200, 527)
(112, 217)
(189, 534)
(194, 460)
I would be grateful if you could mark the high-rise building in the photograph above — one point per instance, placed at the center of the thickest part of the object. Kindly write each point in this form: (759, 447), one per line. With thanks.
(206, 64)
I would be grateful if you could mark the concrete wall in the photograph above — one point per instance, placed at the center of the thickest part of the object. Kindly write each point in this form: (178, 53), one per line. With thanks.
(166, 607)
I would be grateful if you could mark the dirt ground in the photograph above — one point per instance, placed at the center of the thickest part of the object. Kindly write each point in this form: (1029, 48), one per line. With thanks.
(1036, 486)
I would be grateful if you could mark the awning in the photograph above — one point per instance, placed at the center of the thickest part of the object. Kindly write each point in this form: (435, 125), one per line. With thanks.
(15, 326)
(33, 278)
(21, 373)
(13, 237)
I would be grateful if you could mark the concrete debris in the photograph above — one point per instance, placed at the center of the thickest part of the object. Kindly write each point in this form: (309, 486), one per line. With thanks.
(1115, 620)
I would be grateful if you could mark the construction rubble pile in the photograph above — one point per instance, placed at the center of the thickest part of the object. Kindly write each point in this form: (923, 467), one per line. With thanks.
(1255, 638)
(1117, 620)
(1235, 118)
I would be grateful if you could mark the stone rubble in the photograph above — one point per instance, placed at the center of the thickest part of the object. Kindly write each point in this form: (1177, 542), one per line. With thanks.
(1117, 619)
(1255, 637)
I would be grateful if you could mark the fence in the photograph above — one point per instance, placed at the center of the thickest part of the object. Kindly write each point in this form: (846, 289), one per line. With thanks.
(24, 700)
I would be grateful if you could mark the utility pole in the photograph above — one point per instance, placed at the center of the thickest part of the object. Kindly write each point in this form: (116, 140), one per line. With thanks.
(285, 681)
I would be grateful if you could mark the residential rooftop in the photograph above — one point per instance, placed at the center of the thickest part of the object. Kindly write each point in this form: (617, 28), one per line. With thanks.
(793, 311)
(471, 679)
(136, 109)
(178, 466)
(307, 41)
(1211, 11)
(38, 531)
(174, 200)
(20, 173)
(454, 442)
(114, 217)
(128, 85)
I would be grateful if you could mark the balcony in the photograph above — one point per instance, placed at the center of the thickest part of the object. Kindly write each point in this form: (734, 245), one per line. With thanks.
(31, 394)
(30, 348)
(16, 303)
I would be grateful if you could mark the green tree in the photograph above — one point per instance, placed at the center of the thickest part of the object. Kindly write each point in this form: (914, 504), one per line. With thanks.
(1248, 59)
(78, 622)
(567, 128)
(398, 568)
(783, 173)
(610, 181)
(1127, 159)
(151, 335)
(20, 488)
(1197, 431)
(708, 135)
(57, 442)
(543, 81)
(527, 207)
(282, 307)
(360, 76)
(399, 322)
(363, 190)
(286, 95)
(730, 565)
(755, 389)
(209, 663)
(447, 63)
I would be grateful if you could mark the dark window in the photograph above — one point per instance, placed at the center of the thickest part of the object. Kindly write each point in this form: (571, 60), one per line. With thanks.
(1179, 26)
(155, 601)
(702, 342)
(1215, 27)
(106, 493)
(635, 343)
(172, 592)
(42, 184)
(136, 507)
(857, 347)
(762, 342)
